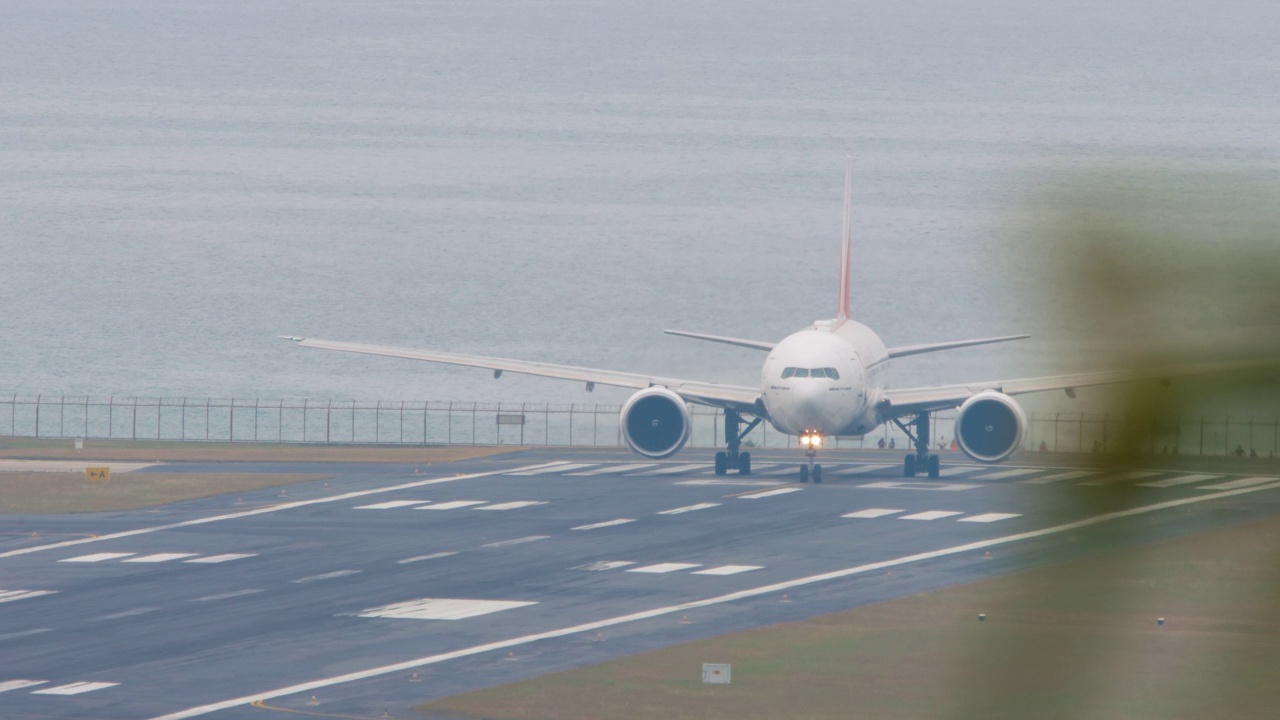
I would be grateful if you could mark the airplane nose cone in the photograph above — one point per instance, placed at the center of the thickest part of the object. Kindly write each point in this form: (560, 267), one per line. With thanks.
(807, 399)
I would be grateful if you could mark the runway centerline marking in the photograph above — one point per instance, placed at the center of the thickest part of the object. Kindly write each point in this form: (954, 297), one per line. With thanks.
(159, 557)
(452, 505)
(931, 515)
(517, 541)
(262, 511)
(989, 517)
(603, 565)
(1004, 474)
(225, 557)
(441, 609)
(545, 469)
(513, 505)
(1179, 480)
(11, 595)
(96, 557)
(1059, 477)
(75, 688)
(19, 684)
(420, 558)
(326, 576)
(663, 568)
(611, 469)
(695, 604)
(769, 493)
(905, 485)
(727, 570)
(873, 513)
(606, 523)
(229, 595)
(688, 508)
(859, 469)
(1242, 483)
(390, 504)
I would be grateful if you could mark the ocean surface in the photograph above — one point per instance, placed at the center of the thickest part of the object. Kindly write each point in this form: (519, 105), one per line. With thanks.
(181, 182)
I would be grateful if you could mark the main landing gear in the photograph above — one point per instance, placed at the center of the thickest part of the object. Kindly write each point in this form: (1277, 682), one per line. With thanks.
(811, 443)
(733, 458)
(922, 461)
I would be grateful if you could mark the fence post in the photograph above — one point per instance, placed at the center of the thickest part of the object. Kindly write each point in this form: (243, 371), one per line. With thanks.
(86, 416)
(1226, 438)
(1055, 431)
(38, 415)
(206, 419)
(1104, 432)
(328, 424)
(546, 424)
(449, 440)
(135, 418)
(377, 422)
(401, 422)
(231, 422)
(473, 422)
(424, 423)
(593, 432)
(255, 419)
(1201, 436)
(304, 418)
(159, 401)
(62, 411)
(184, 418)
(521, 423)
(353, 421)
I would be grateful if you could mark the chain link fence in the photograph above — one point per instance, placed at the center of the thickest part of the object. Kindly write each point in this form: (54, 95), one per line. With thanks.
(357, 422)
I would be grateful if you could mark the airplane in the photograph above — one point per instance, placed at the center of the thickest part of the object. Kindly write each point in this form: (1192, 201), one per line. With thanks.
(825, 380)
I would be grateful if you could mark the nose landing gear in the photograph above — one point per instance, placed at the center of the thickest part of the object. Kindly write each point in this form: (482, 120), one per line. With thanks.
(734, 458)
(811, 443)
(922, 461)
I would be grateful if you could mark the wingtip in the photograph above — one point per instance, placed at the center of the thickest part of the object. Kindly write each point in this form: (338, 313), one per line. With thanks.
(294, 338)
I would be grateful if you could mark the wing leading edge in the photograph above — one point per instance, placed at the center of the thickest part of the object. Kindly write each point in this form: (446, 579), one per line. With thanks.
(732, 397)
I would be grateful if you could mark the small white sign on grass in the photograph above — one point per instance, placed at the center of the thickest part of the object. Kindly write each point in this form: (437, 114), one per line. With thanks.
(716, 673)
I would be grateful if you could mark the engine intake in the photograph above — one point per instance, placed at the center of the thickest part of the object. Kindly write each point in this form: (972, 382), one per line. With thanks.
(989, 426)
(655, 423)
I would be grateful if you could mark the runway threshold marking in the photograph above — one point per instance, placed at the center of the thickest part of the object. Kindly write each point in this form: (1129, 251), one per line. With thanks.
(606, 523)
(769, 493)
(8, 685)
(225, 557)
(931, 515)
(514, 505)
(441, 608)
(695, 604)
(420, 558)
(326, 576)
(1059, 477)
(1242, 483)
(1179, 480)
(873, 513)
(258, 511)
(96, 557)
(611, 469)
(680, 469)
(989, 517)
(663, 568)
(545, 469)
(859, 469)
(75, 688)
(1005, 474)
(517, 541)
(727, 570)
(11, 595)
(688, 508)
(159, 557)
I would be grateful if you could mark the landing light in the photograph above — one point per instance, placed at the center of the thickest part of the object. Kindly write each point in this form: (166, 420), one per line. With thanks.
(811, 439)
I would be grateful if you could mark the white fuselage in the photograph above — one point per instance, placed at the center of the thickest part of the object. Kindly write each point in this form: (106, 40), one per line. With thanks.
(825, 379)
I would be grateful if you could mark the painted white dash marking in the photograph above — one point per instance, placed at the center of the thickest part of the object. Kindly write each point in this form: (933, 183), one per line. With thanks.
(1122, 477)
(514, 505)
(420, 558)
(732, 483)
(859, 469)
(606, 523)
(159, 557)
(873, 513)
(326, 576)
(906, 485)
(769, 493)
(441, 609)
(727, 570)
(1011, 473)
(1242, 483)
(391, 504)
(553, 469)
(225, 557)
(1179, 480)
(8, 685)
(688, 508)
(989, 517)
(12, 595)
(228, 595)
(958, 470)
(604, 565)
(75, 688)
(931, 515)
(672, 470)
(517, 541)
(1059, 477)
(97, 557)
(662, 568)
(129, 613)
(612, 469)
(452, 505)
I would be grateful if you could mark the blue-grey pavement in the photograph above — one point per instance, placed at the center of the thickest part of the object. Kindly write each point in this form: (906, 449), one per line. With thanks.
(233, 597)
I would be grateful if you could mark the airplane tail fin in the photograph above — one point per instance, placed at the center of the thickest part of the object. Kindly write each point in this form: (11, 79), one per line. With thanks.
(846, 242)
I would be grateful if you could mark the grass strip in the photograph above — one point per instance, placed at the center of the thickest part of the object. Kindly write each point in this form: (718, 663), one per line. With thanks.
(41, 493)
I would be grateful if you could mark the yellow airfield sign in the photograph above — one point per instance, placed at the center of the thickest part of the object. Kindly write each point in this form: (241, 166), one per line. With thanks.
(97, 474)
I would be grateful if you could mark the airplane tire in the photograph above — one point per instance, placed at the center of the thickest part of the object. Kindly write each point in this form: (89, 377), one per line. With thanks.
(935, 466)
(909, 466)
(722, 463)
(744, 464)
(817, 474)
(804, 473)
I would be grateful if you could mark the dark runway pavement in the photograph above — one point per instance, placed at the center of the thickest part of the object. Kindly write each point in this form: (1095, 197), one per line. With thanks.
(389, 585)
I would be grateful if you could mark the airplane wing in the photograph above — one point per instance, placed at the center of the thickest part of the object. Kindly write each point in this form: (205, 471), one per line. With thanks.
(753, 344)
(909, 401)
(935, 347)
(729, 397)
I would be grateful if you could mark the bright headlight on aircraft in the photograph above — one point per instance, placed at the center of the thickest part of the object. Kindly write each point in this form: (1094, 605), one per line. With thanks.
(815, 440)
(804, 439)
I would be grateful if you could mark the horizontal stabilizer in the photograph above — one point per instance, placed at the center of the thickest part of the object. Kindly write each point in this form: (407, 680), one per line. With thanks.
(753, 344)
(936, 347)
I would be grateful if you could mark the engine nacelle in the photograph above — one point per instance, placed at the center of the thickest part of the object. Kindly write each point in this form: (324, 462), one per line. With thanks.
(655, 423)
(989, 426)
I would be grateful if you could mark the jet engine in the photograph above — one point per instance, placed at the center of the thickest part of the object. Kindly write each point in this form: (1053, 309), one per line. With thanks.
(655, 423)
(989, 426)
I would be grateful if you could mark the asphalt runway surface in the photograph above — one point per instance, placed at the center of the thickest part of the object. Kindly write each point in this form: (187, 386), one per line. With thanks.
(390, 585)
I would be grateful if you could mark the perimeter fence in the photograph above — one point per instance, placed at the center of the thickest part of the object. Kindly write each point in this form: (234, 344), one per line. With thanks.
(354, 422)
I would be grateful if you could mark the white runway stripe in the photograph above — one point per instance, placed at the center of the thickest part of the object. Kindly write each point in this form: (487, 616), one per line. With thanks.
(1005, 474)
(931, 515)
(559, 467)
(225, 557)
(1179, 480)
(228, 595)
(1122, 477)
(75, 688)
(607, 523)
(873, 513)
(8, 685)
(959, 470)
(441, 609)
(12, 595)
(989, 517)
(662, 568)
(517, 541)
(326, 576)
(1237, 484)
(693, 467)
(420, 558)
(611, 469)
(1059, 477)
(738, 483)
(688, 508)
(859, 469)
(159, 557)
(97, 557)
(727, 570)
(391, 504)
(921, 485)
(769, 493)
(604, 565)
(514, 505)
(452, 505)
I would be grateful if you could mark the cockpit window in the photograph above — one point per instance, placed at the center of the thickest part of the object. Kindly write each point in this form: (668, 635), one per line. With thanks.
(831, 373)
(810, 373)
(788, 372)
(802, 372)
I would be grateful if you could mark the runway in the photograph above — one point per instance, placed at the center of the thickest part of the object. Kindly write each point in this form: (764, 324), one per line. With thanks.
(389, 585)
